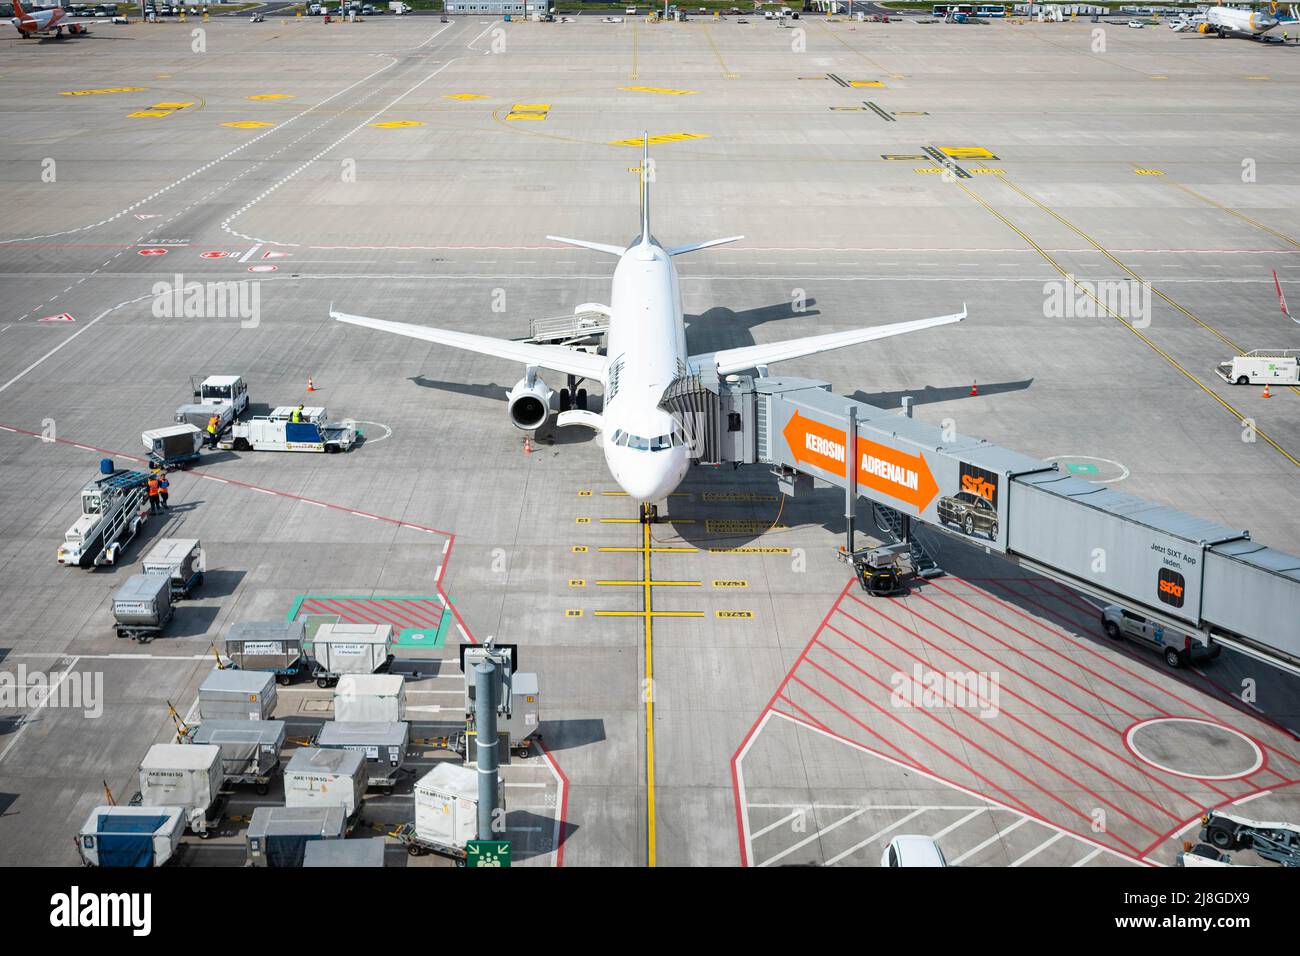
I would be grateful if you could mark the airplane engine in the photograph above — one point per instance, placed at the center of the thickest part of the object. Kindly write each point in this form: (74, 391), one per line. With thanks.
(76, 29)
(529, 403)
(1203, 28)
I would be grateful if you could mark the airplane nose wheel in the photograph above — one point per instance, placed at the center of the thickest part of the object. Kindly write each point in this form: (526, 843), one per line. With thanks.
(649, 514)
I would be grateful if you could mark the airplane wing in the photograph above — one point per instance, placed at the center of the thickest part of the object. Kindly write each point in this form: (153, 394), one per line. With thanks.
(554, 357)
(752, 356)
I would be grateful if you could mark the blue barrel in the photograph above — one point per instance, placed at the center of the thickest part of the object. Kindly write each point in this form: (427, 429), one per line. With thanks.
(105, 466)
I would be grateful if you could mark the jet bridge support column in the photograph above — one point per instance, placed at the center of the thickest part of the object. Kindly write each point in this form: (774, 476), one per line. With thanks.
(851, 485)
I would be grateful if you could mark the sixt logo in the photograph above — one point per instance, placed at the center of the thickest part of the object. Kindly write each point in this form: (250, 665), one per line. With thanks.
(978, 486)
(1171, 588)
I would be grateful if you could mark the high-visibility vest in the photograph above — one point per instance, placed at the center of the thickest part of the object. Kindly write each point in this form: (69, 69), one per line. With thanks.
(296, 417)
(153, 487)
(212, 425)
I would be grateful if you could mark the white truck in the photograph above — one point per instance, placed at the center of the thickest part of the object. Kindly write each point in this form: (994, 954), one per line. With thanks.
(113, 507)
(279, 432)
(1263, 367)
(400, 9)
(225, 396)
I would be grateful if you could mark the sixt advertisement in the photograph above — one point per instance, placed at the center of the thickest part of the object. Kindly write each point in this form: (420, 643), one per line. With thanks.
(901, 463)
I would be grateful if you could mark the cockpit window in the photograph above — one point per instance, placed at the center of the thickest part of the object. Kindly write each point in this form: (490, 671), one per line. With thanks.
(660, 443)
(637, 443)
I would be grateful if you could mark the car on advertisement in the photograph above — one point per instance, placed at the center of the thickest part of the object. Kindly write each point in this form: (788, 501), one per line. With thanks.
(970, 513)
(1178, 651)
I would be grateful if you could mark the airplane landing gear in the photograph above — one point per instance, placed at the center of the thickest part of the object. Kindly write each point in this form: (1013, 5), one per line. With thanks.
(649, 514)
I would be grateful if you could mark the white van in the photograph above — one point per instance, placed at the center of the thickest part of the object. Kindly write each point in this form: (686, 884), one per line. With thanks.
(1263, 367)
(912, 851)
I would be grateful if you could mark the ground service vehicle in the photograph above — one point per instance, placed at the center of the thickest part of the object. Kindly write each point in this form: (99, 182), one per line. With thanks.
(1177, 651)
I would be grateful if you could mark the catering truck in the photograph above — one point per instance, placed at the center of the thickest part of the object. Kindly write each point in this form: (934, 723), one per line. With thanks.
(279, 432)
(113, 507)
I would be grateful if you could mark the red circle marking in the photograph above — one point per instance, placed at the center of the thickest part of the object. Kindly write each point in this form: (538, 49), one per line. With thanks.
(214, 254)
(153, 252)
(262, 268)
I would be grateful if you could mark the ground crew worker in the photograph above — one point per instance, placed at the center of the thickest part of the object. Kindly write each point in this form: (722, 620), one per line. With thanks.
(162, 489)
(153, 496)
(212, 431)
(296, 417)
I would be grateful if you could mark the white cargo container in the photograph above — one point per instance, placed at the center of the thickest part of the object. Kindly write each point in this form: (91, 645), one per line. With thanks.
(131, 836)
(343, 648)
(230, 694)
(383, 745)
(182, 775)
(323, 778)
(370, 697)
(182, 559)
(446, 806)
(250, 749)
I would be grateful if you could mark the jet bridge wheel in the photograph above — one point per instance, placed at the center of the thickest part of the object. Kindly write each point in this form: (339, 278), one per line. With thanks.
(564, 400)
(582, 399)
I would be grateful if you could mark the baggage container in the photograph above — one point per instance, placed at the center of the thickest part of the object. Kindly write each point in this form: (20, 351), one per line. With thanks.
(274, 646)
(250, 749)
(279, 836)
(143, 606)
(131, 836)
(446, 808)
(370, 697)
(230, 694)
(382, 744)
(342, 648)
(368, 852)
(176, 446)
(183, 775)
(325, 778)
(181, 559)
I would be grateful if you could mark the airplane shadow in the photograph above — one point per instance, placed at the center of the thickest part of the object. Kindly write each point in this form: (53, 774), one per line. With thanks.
(723, 328)
(929, 395)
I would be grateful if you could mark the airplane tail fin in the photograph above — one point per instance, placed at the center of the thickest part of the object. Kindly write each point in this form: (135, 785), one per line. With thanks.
(19, 12)
(645, 188)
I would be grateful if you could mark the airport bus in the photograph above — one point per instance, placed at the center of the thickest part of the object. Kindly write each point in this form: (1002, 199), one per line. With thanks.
(991, 10)
(943, 9)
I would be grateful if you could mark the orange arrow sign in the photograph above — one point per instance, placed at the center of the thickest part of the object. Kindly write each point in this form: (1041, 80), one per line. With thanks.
(885, 470)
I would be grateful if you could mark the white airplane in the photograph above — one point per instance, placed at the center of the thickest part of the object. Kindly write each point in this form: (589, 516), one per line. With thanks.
(55, 20)
(1227, 22)
(646, 449)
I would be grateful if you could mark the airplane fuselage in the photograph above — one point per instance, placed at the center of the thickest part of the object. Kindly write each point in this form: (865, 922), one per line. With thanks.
(1230, 21)
(644, 446)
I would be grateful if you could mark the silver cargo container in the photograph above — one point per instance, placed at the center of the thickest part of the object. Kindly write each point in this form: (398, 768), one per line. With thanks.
(321, 778)
(143, 605)
(383, 745)
(182, 775)
(250, 749)
(179, 558)
(131, 836)
(174, 441)
(367, 852)
(370, 697)
(230, 694)
(350, 649)
(278, 836)
(274, 646)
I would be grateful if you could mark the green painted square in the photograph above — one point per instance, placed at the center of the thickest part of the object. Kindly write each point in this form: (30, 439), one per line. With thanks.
(1082, 468)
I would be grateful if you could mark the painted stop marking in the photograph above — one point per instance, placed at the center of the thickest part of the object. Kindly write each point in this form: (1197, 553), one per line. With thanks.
(214, 254)
(262, 268)
(153, 252)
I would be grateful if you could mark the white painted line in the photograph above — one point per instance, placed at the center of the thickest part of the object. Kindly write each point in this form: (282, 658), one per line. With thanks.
(948, 829)
(260, 491)
(218, 480)
(817, 835)
(437, 572)
(360, 515)
(1253, 796)
(314, 504)
(874, 837)
(39, 707)
(249, 254)
(530, 786)
(991, 840)
(1087, 859)
(1039, 849)
(445, 546)
(785, 819)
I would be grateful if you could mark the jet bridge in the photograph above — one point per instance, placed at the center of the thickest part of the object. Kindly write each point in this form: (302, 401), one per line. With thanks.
(1189, 574)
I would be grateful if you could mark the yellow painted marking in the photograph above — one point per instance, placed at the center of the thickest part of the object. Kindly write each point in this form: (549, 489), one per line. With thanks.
(271, 96)
(909, 157)
(989, 170)
(246, 124)
(1149, 172)
(577, 583)
(579, 549)
(582, 520)
(1232, 212)
(653, 550)
(649, 697)
(966, 152)
(654, 584)
(532, 107)
(1158, 76)
(866, 82)
(525, 116)
(464, 96)
(928, 169)
(812, 77)
(740, 525)
(584, 493)
(1257, 77)
(661, 138)
(150, 113)
(657, 89)
(647, 616)
(170, 106)
(737, 615)
(848, 109)
(623, 494)
(749, 550)
(573, 612)
(731, 584)
(397, 124)
(910, 113)
(107, 89)
(736, 496)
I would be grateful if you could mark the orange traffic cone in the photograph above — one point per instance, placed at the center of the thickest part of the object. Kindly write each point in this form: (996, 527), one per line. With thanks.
(528, 445)
(1267, 393)
(311, 386)
(974, 389)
